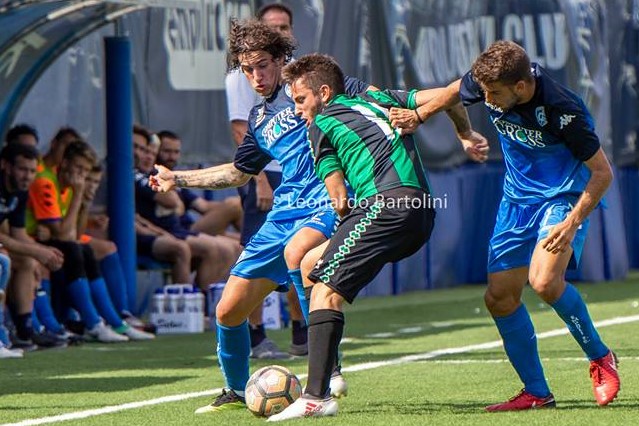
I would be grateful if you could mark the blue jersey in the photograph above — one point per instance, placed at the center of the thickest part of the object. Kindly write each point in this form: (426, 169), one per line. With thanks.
(13, 205)
(545, 141)
(275, 132)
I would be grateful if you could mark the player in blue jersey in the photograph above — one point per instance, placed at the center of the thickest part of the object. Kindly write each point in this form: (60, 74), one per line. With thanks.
(556, 174)
(302, 216)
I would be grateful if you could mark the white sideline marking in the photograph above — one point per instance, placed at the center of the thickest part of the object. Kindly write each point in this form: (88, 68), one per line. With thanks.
(504, 360)
(359, 367)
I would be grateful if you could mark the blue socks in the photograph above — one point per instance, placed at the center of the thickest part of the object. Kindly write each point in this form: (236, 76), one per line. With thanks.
(43, 310)
(296, 277)
(35, 322)
(102, 302)
(520, 344)
(4, 333)
(5, 268)
(571, 308)
(233, 350)
(114, 276)
(81, 299)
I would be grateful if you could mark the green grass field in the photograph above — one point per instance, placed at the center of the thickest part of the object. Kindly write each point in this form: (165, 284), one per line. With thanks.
(395, 375)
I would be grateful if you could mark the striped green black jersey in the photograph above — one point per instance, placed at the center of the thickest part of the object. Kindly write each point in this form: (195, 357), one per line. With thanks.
(354, 135)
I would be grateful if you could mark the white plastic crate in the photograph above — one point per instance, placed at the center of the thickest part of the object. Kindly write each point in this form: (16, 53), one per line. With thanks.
(177, 309)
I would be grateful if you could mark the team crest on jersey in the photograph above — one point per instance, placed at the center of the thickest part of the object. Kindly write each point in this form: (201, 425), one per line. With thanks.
(565, 120)
(540, 113)
(288, 90)
(260, 115)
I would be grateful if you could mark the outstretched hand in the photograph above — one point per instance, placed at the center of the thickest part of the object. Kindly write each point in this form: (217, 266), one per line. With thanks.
(163, 181)
(475, 145)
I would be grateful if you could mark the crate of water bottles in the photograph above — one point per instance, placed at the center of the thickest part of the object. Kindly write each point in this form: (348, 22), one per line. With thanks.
(273, 311)
(178, 308)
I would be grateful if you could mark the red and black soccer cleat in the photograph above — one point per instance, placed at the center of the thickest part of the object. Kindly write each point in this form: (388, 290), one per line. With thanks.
(523, 401)
(605, 378)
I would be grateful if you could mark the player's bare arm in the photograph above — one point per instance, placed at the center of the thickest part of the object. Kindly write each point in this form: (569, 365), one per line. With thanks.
(443, 99)
(560, 237)
(474, 143)
(217, 177)
(337, 191)
(429, 102)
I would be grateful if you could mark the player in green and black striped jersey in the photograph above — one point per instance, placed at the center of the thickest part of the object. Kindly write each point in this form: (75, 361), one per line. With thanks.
(352, 140)
(353, 134)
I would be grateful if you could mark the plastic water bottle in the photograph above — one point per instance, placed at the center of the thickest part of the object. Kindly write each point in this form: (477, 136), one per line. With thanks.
(190, 300)
(159, 302)
(199, 301)
(174, 300)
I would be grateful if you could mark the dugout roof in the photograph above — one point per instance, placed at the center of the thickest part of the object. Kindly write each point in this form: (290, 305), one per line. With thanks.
(34, 33)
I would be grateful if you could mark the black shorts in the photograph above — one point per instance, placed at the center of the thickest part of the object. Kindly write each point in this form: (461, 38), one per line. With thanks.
(382, 229)
(144, 244)
(254, 218)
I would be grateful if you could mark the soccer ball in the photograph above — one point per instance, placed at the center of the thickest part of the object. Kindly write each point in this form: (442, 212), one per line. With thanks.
(271, 389)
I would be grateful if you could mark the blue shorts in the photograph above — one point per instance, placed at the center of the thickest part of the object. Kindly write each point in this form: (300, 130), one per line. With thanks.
(263, 256)
(254, 218)
(519, 227)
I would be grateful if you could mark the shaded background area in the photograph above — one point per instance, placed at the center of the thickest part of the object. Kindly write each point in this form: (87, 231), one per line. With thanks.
(51, 74)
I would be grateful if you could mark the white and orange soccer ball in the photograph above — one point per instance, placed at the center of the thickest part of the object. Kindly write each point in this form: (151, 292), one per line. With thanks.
(271, 389)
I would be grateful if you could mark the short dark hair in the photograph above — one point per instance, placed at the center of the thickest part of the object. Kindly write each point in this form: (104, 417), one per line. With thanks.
(142, 131)
(167, 134)
(253, 35)
(14, 133)
(66, 131)
(79, 148)
(316, 70)
(12, 151)
(275, 6)
(504, 62)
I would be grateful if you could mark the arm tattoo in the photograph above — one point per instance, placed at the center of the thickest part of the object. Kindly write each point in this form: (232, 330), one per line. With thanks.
(459, 117)
(218, 177)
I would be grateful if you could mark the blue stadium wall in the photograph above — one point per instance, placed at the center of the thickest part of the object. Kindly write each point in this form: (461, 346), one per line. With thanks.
(178, 65)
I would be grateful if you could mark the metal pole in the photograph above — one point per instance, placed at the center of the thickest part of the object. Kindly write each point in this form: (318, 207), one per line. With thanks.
(119, 124)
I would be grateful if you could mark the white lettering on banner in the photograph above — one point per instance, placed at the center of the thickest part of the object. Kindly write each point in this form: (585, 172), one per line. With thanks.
(195, 41)
(446, 52)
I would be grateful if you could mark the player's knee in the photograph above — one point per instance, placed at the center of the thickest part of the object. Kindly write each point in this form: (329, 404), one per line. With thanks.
(227, 315)
(546, 286)
(24, 263)
(181, 252)
(110, 247)
(499, 303)
(293, 255)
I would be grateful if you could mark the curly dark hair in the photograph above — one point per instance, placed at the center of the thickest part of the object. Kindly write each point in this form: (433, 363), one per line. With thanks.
(252, 35)
(316, 70)
(504, 62)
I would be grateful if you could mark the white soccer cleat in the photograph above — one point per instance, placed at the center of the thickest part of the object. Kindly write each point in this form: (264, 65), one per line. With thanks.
(103, 333)
(135, 334)
(305, 407)
(338, 385)
(10, 353)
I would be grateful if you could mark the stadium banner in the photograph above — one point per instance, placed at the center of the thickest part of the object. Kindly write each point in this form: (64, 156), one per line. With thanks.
(180, 62)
